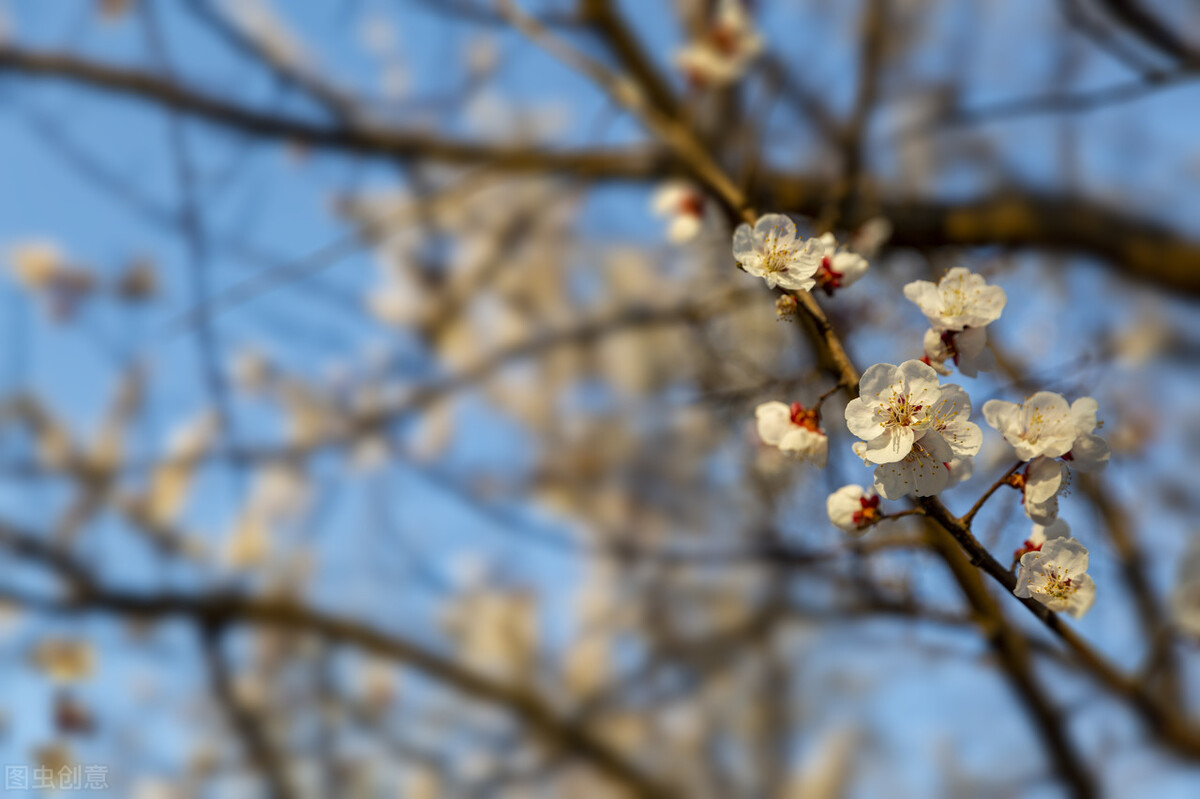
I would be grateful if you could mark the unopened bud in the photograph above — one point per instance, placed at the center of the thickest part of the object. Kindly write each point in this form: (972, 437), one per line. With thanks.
(785, 306)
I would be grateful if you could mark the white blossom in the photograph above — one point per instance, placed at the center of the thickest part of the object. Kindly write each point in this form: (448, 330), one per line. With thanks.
(683, 208)
(923, 472)
(794, 430)
(853, 508)
(838, 267)
(1089, 452)
(1043, 429)
(914, 430)
(729, 46)
(770, 250)
(1056, 576)
(1041, 483)
(1042, 425)
(959, 301)
(899, 405)
(959, 308)
(967, 349)
(871, 236)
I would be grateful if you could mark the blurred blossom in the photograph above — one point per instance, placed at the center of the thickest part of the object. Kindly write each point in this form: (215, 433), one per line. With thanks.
(682, 205)
(36, 263)
(378, 35)
(826, 770)
(1185, 597)
(64, 660)
(138, 282)
(112, 10)
(497, 631)
(259, 20)
(725, 50)
(482, 54)
(42, 269)
(251, 371)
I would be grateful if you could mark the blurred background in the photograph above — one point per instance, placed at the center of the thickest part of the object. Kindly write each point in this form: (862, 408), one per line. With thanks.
(377, 394)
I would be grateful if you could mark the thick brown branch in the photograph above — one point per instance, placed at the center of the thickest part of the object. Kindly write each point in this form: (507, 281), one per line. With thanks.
(376, 141)
(1141, 249)
(1144, 251)
(556, 731)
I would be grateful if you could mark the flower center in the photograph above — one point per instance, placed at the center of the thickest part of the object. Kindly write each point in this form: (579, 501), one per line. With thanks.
(869, 512)
(901, 413)
(806, 418)
(827, 277)
(724, 39)
(1058, 585)
(954, 299)
(691, 205)
(948, 341)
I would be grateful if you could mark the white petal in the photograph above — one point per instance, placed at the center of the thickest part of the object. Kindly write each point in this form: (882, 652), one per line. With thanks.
(1003, 416)
(971, 366)
(1043, 479)
(774, 225)
(1068, 554)
(850, 266)
(970, 343)
(947, 403)
(987, 305)
(891, 446)
(1048, 428)
(667, 199)
(743, 244)
(1042, 512)
(862, 420)
(1089, 453)
(922, 473)
(876, 380)
(1082, 597)
(806, 444)
(1083, 414)
(1042, 533)
(935, 347)
(919, 377)
(842, 504)
(964, 438)
(926, 297)
(683, 228)
(774, 421)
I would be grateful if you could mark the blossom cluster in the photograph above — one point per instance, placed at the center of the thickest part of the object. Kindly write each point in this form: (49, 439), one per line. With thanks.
(915, 431)
(1052, 437)
(773, 251)
(959, 309)
(1053, 570)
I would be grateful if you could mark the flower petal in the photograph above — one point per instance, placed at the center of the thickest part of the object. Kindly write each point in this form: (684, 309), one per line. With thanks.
(774, 421)
(892, 445)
